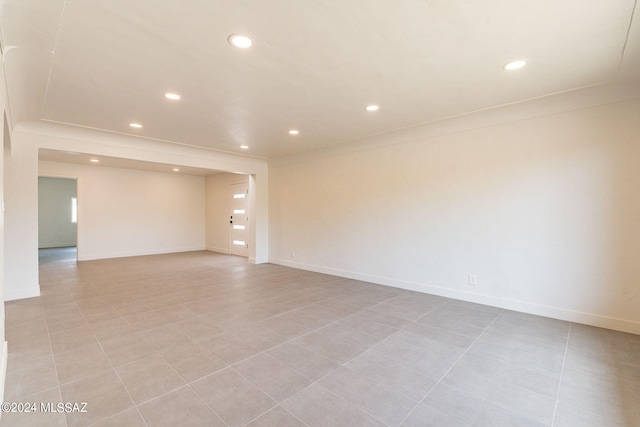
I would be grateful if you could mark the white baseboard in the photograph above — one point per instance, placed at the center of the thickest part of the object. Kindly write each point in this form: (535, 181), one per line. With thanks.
(227, 252)
(219, 250)
(109, 255)
(494, 301)
(58, 245)
(21, 294)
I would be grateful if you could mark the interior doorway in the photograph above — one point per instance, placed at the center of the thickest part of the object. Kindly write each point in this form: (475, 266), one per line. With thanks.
(58, 215)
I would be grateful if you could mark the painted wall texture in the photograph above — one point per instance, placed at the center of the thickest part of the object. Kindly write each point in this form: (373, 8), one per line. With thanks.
(124, 212)
(5, 148)
(21, 221)
(543, 211)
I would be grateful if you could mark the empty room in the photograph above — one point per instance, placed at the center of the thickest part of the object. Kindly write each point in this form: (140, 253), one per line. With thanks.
(320, 213)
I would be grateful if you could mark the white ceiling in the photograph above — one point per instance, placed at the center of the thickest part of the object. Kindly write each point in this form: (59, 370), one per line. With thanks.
(314, 66)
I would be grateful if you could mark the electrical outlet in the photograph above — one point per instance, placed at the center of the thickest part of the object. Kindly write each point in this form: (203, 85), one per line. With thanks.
(473, 280)
(293, 253)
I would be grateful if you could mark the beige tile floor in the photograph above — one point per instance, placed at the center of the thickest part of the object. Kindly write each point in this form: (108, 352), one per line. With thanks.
(204, 339)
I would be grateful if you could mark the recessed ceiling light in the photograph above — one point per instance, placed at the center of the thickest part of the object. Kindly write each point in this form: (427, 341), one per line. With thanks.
(135, 125)
(176, 170)
(172, 96)
(240, 40)
(514, 65)
(244, 147)
(95, 161)
(294, 132)
(372, 108)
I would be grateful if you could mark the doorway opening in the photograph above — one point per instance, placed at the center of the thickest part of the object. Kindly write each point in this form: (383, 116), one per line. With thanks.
(57, 219)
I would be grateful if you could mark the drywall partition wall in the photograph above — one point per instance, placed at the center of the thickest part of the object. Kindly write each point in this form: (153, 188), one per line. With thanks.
(56, 226)
(5, 146)
(73, 139)
(21, 221)
(124, 212)
(542, 212)
(217, 211)
(21, 188)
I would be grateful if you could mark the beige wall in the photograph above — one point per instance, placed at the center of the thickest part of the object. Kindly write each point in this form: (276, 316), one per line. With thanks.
(5, 148)
(544, 212)
(21, 221)
(124, 212)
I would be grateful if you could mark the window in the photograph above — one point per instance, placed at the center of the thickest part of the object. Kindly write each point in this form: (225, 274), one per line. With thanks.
(74, 210)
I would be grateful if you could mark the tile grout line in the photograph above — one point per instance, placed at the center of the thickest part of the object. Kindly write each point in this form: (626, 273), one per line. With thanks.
(55, 366)
(364, 352)
(114, 368)
(449, 370)
(328, 307)
(331, 323)
(271, 409)
(156, 352)
(265, 352)
(119, 379)
(118, 413)
(334, 322)
(58, 385)
(564, 360)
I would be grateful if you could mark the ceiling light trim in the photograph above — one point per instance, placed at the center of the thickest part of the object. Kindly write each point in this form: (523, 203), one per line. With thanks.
(241, 41)
(515, 65)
